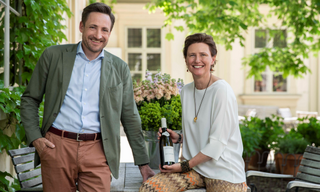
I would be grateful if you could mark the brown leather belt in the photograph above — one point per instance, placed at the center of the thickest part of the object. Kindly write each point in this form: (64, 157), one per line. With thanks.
(76, 136)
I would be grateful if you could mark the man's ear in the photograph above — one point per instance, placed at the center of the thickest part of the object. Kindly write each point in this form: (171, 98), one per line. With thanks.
(81, 26)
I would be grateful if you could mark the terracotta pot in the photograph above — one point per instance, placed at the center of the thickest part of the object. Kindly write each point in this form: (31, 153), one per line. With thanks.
(257, 161)
(288, 163)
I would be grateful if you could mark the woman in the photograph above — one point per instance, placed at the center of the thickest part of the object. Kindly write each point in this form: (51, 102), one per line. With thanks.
(212, 144)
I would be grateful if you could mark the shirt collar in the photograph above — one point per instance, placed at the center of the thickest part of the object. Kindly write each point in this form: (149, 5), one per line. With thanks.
(81, 53)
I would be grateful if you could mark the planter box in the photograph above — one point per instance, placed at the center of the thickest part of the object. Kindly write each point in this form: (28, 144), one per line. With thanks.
(257, 161)
(288, 163)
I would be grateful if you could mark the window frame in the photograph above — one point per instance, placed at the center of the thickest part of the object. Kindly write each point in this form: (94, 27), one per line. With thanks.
(144, 50)
(268, 72)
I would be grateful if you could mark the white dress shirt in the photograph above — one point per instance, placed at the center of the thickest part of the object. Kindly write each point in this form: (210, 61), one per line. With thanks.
(79, 112)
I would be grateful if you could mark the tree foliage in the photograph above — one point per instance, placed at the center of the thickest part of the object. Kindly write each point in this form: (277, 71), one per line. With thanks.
(108, 2)
(39, 26)
(228, 20)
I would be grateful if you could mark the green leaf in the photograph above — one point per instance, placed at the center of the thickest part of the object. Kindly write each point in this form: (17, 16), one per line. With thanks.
(169, 36)
(233, 3)
(3, 179)
(34, 5)
(20, 54)
(20, 133)
(4, 109)
(27, 2)
(27, 49)
(24, 37)
(14, 142)
(23, 19)
(4, 141)
(243, 26)
(179, 28)
(15, 185)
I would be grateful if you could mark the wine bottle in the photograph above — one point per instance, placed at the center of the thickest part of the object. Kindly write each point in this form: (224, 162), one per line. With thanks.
(165, 146)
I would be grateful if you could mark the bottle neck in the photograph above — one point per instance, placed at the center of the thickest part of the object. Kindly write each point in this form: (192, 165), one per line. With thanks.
(164, 129)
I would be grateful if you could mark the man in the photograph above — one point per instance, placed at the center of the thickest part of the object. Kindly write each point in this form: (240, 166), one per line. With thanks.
(87, 92)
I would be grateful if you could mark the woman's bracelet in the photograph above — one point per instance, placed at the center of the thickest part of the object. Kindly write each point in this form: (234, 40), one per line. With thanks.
(185, 166)
(178, 139)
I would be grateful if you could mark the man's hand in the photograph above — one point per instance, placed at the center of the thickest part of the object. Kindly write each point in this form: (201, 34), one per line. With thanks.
(146, 172)
(41, 143)
(175, 168)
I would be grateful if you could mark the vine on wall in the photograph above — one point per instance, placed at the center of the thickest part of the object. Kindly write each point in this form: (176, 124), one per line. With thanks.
(38, 27)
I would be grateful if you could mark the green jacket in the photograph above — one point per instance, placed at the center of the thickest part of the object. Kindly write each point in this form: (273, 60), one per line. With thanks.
(51, 78)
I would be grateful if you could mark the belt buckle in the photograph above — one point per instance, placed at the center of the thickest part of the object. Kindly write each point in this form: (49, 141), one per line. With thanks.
(78, 134)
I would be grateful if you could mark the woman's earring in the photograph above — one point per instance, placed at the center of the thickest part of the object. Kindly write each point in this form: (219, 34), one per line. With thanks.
(187, 70)
(211, 68)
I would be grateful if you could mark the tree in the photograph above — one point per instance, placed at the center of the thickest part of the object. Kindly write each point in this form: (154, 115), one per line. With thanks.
(228, 20)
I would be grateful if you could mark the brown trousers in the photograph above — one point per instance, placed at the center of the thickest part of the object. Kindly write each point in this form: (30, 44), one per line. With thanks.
(173, 182)
(72, 162)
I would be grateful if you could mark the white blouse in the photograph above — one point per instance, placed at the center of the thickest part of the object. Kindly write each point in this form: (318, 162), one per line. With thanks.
(216, 132)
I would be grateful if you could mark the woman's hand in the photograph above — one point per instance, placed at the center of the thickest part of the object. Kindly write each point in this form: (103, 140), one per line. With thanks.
(173, 135)
(175, 168)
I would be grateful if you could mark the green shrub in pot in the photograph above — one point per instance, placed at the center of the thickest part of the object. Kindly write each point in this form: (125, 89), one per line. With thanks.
(292, 143)
(250, 134)
(259, 133)
(290, 153)
(259, 136)
(272, 129)
(310, 130)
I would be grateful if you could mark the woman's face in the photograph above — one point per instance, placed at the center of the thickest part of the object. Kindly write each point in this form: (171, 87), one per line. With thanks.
(199, 59)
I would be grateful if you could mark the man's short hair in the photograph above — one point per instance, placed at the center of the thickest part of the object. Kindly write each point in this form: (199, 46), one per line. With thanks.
(100, 8)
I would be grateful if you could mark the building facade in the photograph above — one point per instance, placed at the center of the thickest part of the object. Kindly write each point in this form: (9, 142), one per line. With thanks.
(138, 38)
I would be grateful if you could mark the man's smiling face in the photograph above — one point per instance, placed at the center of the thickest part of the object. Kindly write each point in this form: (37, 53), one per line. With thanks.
(95, 34)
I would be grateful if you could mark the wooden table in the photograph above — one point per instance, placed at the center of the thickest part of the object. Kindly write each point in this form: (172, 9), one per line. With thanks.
(130, 179)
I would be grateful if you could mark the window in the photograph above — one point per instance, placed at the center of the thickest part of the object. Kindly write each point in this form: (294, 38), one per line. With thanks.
(143, 51)
(271, 81)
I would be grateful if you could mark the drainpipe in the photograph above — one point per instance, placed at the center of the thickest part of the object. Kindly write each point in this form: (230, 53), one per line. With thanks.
(318, 78)
(20, 45)
(7, 44)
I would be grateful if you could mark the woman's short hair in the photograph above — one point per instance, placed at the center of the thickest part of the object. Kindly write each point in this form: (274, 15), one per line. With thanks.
(100, 8)
(200, 38)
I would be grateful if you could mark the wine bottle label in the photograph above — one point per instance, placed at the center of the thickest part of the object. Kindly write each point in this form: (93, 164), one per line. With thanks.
(168, 153)
(166, 134)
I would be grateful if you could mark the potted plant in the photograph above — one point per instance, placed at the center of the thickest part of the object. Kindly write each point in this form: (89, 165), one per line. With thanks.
(310, 130)
(265, 136)
(290, 152)
(251, 135)
(157, 97)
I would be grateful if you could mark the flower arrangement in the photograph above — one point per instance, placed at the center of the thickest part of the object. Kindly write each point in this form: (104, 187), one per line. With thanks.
(158, 97)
